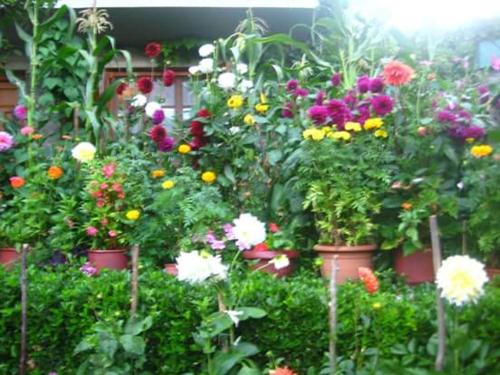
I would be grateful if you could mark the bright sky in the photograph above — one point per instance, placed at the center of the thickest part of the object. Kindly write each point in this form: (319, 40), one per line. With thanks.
(193, 3)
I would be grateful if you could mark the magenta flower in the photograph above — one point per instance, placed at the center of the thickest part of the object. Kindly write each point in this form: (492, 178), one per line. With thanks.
(382, 105)
(495, 63)
(21, 112)
(287, 110)
(376, 85)
(318, 114)
(166, 144)
(473, 132)
(292, 85)
(88, 269)
(446, 116)
(363, 114)
(320, 98)
(338, 111)
(336, 79)
(301, 92)
(228, 231)
(6, 141)
(363, 84)
(92, 231)
(158, 116)
(484, 94)
(26, 130)
(108, 170)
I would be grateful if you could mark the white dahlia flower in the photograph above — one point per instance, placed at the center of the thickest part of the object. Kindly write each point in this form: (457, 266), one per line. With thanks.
(196, 267)
(461, 279)
(227, 81)
(206, 50)
(241, 68)
(151, 108)
(206, 66)
(139, 101)
(248, 231)
(194, 69)
(84, 152)
(245, 85)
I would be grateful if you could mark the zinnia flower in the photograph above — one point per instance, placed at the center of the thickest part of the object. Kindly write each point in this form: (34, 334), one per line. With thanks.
(473, 132)
(480, 151)
(6, 141)
(397, 74)
(168, 184)
(151, 108)
(382, 105)
(336, 79)
(152, 49)
(495, 63)
(282, 371)
(145, 84)
(17, 182)
(226, 81)
(301, 92)
(166, 144)
(184, 149)
(20, 112)
(369, 279)
(242, 68)
(376, 85)
(249, 119)
(206, 50)
(363, 84)
(292, 85)
(84, 152)
(461, 279)
(248, 231)
(209, 177)
(27, 130)
(168, 77)
(196, 267)
(158, 173)
(54, 172)
(158, 116)
(338, 112)
(91, 231)
(235, 101)
(274, 228)
(446, 116)
(318, 114)
(158, 133)
(133, 215)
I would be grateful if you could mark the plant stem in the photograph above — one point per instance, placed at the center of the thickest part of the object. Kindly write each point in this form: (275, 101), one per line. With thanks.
(333, 317)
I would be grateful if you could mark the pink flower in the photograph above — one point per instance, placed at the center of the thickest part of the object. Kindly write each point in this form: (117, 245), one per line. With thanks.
(108, 170)
(88, 270)
(21, 112)
(228, 231)
(495, 63)
(117, 187)
(100, 203)
(104, 186)
(112, 234)
(6, 141)
(26, 130)
(274, 228)
(92, 231)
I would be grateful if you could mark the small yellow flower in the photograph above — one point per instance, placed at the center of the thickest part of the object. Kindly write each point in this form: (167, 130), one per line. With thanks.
(158, 173)
(184, 149)
(168, 184)
(376, 305)
(353, 126)
(340, 135)
(380, 133)
(133, 215)
(326, 129)
(314, 134)
(263, 98)
(235, 101)
(469, 140)
(249, 120)
(481, 151)
(373, 123)
(209, 177)
(262, 107)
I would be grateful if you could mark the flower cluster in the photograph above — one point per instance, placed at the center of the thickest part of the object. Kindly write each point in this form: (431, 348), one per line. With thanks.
(457, 122)
(197, 129)
(195, 267)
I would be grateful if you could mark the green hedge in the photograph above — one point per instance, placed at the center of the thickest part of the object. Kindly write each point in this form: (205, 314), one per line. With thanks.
(64, 304)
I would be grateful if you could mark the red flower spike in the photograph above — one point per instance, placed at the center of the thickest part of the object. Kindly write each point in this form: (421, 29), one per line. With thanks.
(369, 279)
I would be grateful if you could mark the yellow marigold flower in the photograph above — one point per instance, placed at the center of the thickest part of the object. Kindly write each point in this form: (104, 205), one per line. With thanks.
(133, 215)
(353, 126)
(373, 123)
(314, 134)
(341, 135)
(158, 173)
(55, 172)
(209, 177)
(262, 107)
(235, 101)
(376, 305)
(326, 129)
(168, 184)
(481, 151)
(184, 149)
(380, 133)
(249, 120)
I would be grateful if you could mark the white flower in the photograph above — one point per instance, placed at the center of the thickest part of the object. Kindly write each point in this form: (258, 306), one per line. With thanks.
(249, 231)
(151, 108)
(460, 185)
(234, 130)
(195, 267)
(280, 261)
(234, 316)
(206, 66)
(206, 50)
(84, 152)
(194, 69)
(227, 81)
(139, 101)
(461, 279)
(245, 85)
(241, 68)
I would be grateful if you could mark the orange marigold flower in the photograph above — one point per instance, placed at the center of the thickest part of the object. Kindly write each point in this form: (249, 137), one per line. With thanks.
(282, 371)
(17, 182)
(36, 137)
(369, 279)
(407, 206)
(55, 172)
(396, 73)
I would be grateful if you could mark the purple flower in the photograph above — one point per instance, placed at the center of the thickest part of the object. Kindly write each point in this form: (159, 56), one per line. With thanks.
(350, 99)
(363, 84)
(464, 115)
(320, 98)
(292, 85)
(382, 105)
(495, 63)
(299, 91)
(318, 114)
(456, 131)
(363, 114)
(446, 116)
(473, 132)
(88, 269)
(336, 79)
(228, 231)
(242, 246)
(166, 144)
(158, 116)
(484, 93)
(21, 112)
(287, 110)
(214, 243)
(338, 111)
(377, 85)
(6, 141)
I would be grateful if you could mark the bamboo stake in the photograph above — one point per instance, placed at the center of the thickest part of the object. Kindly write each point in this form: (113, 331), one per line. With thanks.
(135, 280)
(436, 258)
(333, 316)
(24, 309)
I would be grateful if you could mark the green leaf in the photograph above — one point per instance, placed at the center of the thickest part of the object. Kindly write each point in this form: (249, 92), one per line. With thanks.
(252, 312)
(23, 34)
(249, 371)
(133, 344)
(224, 362)
(228, 172)
(135, 327)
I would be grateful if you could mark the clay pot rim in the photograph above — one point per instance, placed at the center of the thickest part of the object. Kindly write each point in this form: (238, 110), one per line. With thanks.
(344, 248)
(8, 249)
(269, 254)
(107, 251)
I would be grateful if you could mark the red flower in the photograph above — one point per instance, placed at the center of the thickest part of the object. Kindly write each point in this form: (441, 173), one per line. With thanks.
(158, 133)
(198, 142)
(282, 371)
(17, 182)
(396, 73)
(273, 227)
(121, 88)
(168, 77)
(205, 113)
(197, 129)
(368, 277)
(145, 84)
(152, 49)
(261, 247)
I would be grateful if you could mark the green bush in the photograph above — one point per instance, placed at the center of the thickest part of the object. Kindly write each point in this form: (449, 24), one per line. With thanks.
(64, 305)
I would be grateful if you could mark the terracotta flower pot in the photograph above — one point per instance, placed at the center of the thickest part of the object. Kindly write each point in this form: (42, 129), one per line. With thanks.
(417, 268)
(8, 256)
(492, 273)
(171, 269)
(109, 259)
(350, 258)
(263, 257)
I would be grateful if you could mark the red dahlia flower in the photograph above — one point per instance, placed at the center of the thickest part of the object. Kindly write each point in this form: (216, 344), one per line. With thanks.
(369, 279)
(168, 77)
(197, 129)
(145, 84)
(205, 113)
(158, 133)
(152, 49)
(396, 73)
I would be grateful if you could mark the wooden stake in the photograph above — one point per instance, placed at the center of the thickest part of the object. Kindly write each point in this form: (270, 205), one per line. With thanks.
(24, 309)
(333, 317)
(135, 280)
(436, 258)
